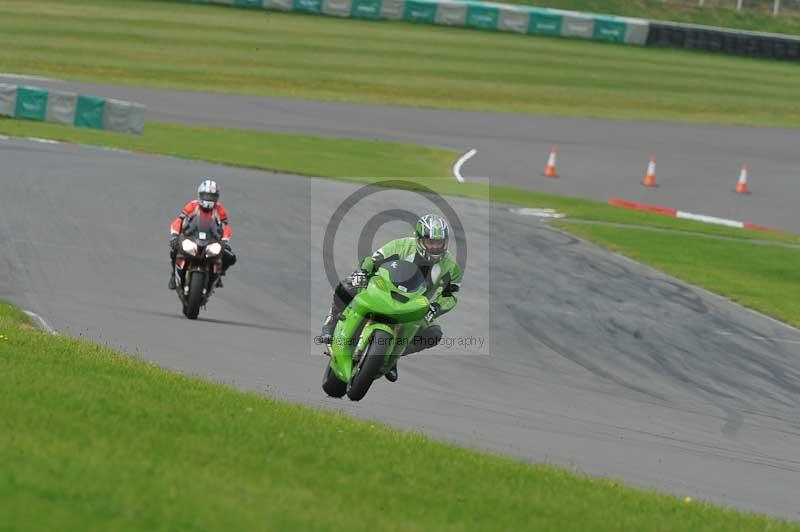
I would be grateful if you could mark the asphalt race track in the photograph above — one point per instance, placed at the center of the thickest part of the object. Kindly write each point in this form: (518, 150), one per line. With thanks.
(697, 165)
(591, 361)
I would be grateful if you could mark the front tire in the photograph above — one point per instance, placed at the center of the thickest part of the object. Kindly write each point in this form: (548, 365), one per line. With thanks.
(195, 299)
(371, 365)
(333, 385)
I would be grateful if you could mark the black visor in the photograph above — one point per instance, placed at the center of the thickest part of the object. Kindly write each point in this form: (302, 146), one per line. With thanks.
(433, 246)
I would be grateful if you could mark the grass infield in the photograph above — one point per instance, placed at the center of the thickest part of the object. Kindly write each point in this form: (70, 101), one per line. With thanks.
(280, 152)
(222, 49)
(93, 440)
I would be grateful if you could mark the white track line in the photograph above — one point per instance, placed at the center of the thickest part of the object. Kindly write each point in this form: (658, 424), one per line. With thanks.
(40, 320)
(460, 162)
(709, 219)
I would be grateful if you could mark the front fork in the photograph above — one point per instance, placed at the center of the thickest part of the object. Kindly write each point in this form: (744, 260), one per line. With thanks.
(214, 270)
(363, 343)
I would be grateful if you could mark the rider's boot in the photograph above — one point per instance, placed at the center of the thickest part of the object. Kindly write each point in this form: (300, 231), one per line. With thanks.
(391, 375)
(225, 267)
(329, 325)
(172, 257)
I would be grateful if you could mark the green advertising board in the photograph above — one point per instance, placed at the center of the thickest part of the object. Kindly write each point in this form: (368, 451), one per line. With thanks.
(543, 23)
(89, 112)
(366, 9)
(607, 29)
(308, 6)
(416, 11)
(31, 103)
(483, 17)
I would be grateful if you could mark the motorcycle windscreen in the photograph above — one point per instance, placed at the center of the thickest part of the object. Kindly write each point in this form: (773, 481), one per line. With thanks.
(405, 275)
(203, 226)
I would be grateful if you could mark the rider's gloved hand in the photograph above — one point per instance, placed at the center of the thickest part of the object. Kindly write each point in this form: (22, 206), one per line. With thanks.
(173, 242)
(433, 312)
(359, 279)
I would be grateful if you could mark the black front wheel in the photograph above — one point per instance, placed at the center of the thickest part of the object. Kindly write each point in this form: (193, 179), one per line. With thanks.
(196, 286)
(371, 365)
(331, 384)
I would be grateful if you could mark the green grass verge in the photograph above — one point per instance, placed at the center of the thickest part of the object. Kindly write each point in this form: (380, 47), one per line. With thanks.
(215, 48)
(764, 278)
(298, 154)
(92, 440)
(752, 18)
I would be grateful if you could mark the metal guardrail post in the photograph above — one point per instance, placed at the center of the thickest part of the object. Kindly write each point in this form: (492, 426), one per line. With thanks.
(776, 7)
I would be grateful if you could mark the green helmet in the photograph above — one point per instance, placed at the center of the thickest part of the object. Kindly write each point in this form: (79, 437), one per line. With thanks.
(432, 236)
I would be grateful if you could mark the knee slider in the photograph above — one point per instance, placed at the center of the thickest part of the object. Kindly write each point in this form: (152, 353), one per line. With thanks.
(433, 335)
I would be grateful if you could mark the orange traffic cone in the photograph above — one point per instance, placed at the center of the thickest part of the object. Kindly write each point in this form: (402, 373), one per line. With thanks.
(741, 187)
(650, 177)
(550, 169)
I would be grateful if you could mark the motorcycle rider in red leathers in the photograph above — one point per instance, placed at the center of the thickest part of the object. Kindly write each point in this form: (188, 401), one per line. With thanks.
(207, 201)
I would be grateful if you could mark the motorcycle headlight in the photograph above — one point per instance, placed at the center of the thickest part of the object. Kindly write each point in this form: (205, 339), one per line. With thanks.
(213, 249)
(189, 247)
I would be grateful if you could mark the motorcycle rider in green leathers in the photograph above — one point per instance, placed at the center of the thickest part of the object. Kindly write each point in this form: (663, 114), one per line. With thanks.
(428, 250)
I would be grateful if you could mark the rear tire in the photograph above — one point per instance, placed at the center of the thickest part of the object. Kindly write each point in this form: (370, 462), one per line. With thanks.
(333, 385)
(359, 385)
(195, 299)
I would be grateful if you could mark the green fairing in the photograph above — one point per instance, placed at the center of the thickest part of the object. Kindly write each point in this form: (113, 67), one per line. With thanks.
(405, 249)
(382, 320)
(399, 319)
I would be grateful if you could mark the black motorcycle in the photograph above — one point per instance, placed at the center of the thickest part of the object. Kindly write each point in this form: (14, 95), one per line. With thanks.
(198, 264)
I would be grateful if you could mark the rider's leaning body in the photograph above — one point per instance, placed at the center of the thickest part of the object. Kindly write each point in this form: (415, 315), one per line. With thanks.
(428, 250)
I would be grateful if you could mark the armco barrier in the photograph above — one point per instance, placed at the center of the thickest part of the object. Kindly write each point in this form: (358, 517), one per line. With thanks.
(67, 108)
(467, 14)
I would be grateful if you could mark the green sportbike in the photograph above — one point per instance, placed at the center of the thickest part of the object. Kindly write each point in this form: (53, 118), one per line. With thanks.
(375, 328)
